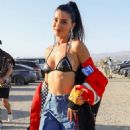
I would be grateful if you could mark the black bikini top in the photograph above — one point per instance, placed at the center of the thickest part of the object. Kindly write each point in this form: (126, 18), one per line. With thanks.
(64, 64)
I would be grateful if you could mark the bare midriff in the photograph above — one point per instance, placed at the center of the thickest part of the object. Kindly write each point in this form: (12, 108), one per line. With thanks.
(60, 83)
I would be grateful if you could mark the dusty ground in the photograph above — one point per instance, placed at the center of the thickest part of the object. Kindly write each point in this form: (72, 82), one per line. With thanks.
(114, 112)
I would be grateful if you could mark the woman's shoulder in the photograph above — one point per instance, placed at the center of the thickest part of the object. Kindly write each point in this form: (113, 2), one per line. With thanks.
(81, 50)
(48, 50)
(77, 44)
(76, 41)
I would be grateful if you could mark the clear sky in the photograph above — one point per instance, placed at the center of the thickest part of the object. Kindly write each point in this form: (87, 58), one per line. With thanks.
(26, 25)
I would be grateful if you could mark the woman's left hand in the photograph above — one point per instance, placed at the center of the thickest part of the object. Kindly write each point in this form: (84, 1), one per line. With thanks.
(71, 114)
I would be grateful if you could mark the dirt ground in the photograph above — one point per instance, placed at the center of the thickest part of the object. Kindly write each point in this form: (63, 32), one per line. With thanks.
(114, 112)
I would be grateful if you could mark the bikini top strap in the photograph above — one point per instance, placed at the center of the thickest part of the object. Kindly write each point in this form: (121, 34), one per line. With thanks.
(50, 53)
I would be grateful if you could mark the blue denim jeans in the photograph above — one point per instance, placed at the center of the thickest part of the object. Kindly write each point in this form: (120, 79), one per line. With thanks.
(54, 115)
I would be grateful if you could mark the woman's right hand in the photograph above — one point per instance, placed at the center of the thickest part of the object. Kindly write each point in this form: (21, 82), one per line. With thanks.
(71, 114)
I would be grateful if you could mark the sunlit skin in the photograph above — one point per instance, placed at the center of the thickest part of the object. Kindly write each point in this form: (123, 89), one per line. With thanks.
(60, 83)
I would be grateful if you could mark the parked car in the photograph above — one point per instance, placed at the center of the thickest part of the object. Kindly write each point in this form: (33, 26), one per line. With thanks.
(126, 72)
(123, 70)
(32, 64)
(40, 61)
(121, 66)
(23, 74)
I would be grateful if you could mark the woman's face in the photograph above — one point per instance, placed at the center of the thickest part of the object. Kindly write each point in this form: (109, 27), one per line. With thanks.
(62, 24)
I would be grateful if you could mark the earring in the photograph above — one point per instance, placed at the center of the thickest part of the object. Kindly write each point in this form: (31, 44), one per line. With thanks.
(71, 35)
(54, 39)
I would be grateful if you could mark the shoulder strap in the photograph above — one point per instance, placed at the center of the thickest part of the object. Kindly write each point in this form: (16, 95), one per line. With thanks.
(50, 53)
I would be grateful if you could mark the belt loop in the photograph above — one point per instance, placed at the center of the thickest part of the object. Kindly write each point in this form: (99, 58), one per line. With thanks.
(64, 97)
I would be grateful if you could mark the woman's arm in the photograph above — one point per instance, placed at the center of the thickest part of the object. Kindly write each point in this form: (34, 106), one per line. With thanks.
(82, 52)
(94, 84)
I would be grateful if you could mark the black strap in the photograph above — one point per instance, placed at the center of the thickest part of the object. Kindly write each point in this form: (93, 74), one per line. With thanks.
(50, 52)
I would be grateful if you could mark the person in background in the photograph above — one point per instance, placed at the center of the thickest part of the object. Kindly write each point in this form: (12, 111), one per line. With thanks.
(106, 68)
(6, 68)
(110, 65)
(66, 97)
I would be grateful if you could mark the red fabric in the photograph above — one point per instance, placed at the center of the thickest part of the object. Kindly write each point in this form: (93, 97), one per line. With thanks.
(89, 61)
(35, 109)
(96, 80)
(87, 94)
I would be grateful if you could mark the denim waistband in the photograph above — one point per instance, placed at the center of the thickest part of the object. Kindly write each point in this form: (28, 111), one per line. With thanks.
(57, 97)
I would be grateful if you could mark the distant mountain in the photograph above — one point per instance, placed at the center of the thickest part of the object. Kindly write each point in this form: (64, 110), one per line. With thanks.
(123, 55)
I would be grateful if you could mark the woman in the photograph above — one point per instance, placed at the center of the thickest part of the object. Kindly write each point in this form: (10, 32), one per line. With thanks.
(62, 61)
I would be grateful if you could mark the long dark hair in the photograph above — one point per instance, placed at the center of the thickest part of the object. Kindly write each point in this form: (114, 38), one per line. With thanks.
(72, 9)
